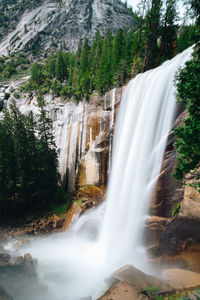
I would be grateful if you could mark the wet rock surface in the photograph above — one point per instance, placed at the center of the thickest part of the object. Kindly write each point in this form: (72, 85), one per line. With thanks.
(168, 193)
(176, 240)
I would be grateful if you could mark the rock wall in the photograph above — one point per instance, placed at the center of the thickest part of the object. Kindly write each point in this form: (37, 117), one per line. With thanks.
(83, 134)
(58, 23)
(177, 238)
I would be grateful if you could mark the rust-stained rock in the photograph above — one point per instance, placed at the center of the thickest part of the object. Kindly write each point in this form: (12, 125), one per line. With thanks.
(72, 214)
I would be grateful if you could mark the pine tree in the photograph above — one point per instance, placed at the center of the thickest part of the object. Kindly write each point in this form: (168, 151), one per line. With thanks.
(153, 32)
(60, 68)
(84, 72)
(48, 158)
(51, 67)
(118, 49)
(36, 73)
(168, 33)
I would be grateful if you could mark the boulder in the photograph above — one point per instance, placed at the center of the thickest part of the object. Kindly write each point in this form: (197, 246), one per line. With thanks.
(4, 259)
(180, 243)
(123, 290)
(182, 279)
(22, 243)
(138, 279)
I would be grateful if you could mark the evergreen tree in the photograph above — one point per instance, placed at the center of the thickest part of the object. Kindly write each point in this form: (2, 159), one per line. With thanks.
(153, 32)
(48, 164)
(186, 37)
(56, 87)
(36, 73)
(168, 33)
(28, 162)
(51, 67)
(84, 71)
(60, 68)
(104, 75)
(118, 49)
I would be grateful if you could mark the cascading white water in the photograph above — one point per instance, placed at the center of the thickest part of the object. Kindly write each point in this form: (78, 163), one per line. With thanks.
(145, 119)
(73, 264)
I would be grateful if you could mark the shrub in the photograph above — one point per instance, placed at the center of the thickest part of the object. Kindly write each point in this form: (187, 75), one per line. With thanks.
(7, 96)
(60, 196)
(176, 210)
(16, 95)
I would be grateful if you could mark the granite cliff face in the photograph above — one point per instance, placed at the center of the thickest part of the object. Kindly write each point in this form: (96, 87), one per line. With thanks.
(83, 134)
(61, 24)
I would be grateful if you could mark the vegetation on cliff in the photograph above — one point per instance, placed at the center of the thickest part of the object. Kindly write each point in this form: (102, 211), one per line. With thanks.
(188, 135)
(110, 60)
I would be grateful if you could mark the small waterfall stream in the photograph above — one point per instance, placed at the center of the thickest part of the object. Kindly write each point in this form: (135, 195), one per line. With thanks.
(74, 264)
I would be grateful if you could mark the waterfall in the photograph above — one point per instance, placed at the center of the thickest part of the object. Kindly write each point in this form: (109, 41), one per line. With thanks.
(73, 264)
(145, 119)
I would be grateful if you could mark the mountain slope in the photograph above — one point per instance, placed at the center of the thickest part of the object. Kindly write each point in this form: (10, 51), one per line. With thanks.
(28, 24)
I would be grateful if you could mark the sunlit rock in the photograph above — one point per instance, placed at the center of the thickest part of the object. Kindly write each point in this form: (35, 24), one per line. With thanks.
(182, 279)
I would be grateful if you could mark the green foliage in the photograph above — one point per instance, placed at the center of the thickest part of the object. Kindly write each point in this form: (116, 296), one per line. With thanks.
(61, 209)
(56, 87)
(176, 210)
(36, 73)
(188, 135)
(9, 66)
(60, 196)
(153, 20)
(151, 289)
(186, 37)
(168, 46)
(100, 66)
(60, 68)
(16, 95)
(28, 163)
